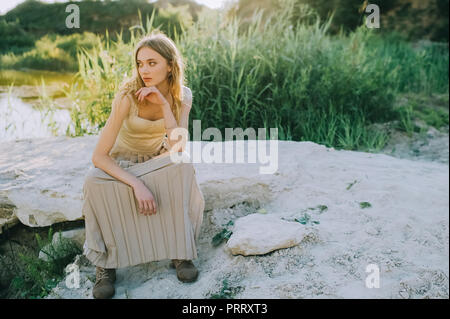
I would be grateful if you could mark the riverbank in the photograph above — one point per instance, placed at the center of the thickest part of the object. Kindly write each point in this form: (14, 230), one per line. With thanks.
(402, 226)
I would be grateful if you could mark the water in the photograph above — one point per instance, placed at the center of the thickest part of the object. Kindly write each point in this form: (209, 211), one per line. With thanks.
(18, 118)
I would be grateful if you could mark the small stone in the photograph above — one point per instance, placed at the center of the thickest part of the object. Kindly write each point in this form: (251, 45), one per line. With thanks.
(262, 211)
(258, 234)
(404, 294)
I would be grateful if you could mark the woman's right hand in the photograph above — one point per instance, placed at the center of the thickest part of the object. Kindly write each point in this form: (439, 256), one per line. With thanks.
(147, 203)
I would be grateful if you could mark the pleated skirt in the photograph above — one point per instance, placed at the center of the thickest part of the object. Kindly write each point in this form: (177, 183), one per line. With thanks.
(118, 236)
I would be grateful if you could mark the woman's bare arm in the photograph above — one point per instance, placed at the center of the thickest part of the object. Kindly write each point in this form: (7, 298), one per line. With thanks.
(108, 135)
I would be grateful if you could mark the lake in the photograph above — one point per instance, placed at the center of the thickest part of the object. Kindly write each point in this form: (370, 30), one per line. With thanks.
(20, 117)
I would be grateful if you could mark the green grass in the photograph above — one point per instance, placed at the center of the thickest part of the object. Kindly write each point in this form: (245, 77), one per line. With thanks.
(430, 110)
(421, 69)
(34, 277)
(308, 84)
(365, 205)
(311, 86)
(223, 234)
(226, 291)
(33, 77)
(306, 219)
(436, 118)
(321, 208)
(351, 184)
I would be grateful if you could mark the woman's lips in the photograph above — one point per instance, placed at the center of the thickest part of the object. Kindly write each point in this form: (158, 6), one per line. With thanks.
(147, 79)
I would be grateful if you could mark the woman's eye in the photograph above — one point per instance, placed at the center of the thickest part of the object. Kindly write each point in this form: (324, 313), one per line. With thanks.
(140, 65)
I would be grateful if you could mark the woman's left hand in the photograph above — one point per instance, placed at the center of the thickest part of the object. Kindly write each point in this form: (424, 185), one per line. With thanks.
(151, 94)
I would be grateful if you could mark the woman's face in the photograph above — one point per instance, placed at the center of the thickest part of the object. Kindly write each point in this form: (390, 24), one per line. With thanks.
(153, 68)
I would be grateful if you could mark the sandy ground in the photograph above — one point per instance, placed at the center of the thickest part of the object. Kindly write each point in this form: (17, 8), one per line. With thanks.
(404, 232)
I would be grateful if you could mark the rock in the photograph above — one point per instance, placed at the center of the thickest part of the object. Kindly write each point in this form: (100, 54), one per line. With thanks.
(46, 186)
(44, 179)
(229, 192)
(258, 234)
(78, 235)
(401, 191)
(432, 132)
(7, 216)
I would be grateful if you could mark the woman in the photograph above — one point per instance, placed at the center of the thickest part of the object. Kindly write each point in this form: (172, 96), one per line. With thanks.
(139, 204)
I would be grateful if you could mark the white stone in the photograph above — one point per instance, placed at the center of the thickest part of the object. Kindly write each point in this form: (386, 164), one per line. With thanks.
(258, 234)
(78, 235)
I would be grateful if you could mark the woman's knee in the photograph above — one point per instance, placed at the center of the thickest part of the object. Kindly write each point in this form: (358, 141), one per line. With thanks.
(92, 176)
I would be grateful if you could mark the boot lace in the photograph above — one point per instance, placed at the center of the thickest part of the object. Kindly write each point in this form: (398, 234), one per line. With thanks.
(103, 273)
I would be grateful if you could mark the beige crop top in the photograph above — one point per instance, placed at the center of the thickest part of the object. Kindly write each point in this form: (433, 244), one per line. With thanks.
(140, 139)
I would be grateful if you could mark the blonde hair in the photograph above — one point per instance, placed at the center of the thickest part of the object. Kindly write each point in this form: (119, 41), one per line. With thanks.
(162, 44)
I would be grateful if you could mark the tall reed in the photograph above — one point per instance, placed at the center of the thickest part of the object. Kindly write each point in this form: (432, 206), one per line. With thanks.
(308, 84)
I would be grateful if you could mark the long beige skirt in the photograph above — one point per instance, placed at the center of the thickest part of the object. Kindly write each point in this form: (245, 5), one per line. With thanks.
(118, 236)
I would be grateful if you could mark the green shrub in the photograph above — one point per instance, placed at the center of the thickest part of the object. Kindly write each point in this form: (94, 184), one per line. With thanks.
(51, 52)
(14, 38)
(37, 277)
(308, 84)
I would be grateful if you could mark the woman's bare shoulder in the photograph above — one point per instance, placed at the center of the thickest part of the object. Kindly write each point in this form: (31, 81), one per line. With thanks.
(121, 106)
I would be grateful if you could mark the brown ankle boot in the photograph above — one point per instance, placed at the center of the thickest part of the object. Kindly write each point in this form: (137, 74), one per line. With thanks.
(104, 283)
(186, 271)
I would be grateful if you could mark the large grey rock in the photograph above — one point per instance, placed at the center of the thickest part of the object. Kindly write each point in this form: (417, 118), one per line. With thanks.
(406, 225)
(44, 178)
(7, 216)
(404, 231)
